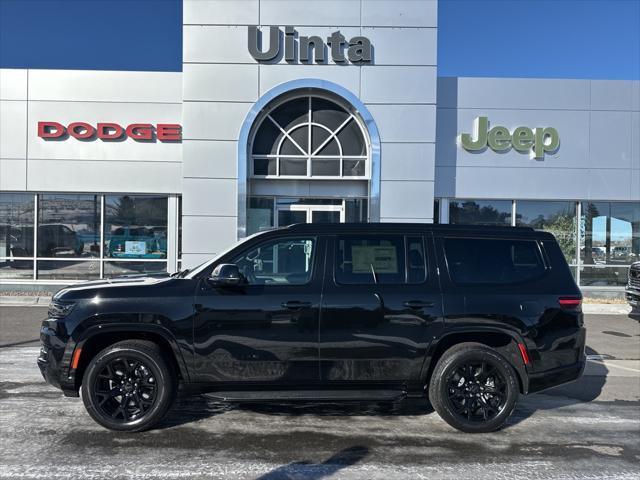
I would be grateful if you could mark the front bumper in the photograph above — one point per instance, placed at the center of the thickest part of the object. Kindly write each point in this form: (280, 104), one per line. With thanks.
(633, 296)
(54, 360)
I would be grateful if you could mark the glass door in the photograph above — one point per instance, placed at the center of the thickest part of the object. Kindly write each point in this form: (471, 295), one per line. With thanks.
(297, 213)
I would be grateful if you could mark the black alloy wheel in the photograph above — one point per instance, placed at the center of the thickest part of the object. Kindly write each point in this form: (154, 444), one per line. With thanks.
(477, 391)
(473, 388)
(129, 386)
(125, 389)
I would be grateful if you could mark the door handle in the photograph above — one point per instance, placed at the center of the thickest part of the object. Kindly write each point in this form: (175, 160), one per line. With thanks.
(417, 304)
(295, 305)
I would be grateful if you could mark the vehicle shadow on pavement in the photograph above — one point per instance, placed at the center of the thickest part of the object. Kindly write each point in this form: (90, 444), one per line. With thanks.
(314, 471)
(190, 409)
(584, 390)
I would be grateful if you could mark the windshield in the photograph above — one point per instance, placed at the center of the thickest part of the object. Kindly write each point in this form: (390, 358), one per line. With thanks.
(203, 266)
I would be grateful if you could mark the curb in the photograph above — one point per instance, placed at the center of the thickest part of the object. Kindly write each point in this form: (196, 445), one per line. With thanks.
(26, 301)
(606, 308)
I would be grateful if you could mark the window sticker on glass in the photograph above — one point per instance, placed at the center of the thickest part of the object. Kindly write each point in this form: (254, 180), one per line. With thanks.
(383, 259)
(135, 248)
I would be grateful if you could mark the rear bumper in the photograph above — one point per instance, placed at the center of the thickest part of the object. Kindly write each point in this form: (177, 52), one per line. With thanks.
(557, 376)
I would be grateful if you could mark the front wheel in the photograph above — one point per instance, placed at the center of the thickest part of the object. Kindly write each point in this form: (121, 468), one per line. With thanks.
(129, 386)
(473, 388)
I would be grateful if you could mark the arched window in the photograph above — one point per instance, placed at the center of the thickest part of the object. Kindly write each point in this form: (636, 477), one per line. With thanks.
(309, 136)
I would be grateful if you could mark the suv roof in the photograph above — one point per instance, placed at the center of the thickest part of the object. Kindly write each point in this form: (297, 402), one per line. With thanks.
(401, 227)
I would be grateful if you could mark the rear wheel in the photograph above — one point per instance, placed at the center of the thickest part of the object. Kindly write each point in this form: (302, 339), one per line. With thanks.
(129, 386)
(473, 388)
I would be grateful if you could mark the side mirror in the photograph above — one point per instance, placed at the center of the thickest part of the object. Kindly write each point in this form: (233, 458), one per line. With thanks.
(226, 275)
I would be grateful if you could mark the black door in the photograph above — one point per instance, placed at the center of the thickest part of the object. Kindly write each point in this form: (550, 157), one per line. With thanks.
(267, 330)
(381, 308)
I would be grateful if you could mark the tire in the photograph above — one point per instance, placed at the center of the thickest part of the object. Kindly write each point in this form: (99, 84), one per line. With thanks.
(144, 394)
(478, 406)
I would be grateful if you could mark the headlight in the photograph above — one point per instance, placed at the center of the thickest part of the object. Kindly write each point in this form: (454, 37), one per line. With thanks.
(60, 310)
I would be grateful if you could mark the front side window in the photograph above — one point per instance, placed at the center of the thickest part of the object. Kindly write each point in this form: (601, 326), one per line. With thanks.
(492, 261)
(278, 262)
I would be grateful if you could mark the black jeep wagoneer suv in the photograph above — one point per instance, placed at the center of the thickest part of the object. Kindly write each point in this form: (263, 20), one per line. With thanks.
(469, 317)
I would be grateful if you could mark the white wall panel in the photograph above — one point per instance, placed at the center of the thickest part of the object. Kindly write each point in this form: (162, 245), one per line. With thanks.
(191, 260)
(382, 84)
(408, 161)
(405, 123)
(610, 143)
(220, 12)
(13, 174)
(635, 185)
(635, 140)
(210, 196)
(611, 95)
(105, 86)
(635, 95)
(542, 183)
(207, 235)
(13, 84)
(96, 149)
(230, 83)
(309, 12)
(104, 176)
(400, 13)
(348, 76)
(210, 158)
(520, 93)
(403, 46)
(216, 44)
(610, 184)
(213, 120)
(406, 199)
(13, 129)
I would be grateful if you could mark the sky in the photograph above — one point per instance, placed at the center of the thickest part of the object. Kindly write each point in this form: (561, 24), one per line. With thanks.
(597, 39)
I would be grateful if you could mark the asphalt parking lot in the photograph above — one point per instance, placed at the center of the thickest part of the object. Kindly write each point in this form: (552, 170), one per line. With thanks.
(586, 430)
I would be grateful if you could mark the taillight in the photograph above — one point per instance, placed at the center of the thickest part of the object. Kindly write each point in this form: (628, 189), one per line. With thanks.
(570, 303)
(524, 353)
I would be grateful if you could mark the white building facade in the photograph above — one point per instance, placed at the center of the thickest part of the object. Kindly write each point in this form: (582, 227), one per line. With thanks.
(308, 111)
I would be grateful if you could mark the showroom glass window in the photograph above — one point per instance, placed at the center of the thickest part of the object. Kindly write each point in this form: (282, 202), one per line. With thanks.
(609, 242)
(264, 213)
(68, 236)
(480, 212)
(135, 234)
(309, 136)
(16, 235)
(558, 218)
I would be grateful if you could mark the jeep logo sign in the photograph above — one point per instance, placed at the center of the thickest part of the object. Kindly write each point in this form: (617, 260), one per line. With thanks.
(358, 48)
(523, 139)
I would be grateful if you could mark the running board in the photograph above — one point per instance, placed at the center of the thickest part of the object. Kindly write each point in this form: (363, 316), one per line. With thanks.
(306, 395)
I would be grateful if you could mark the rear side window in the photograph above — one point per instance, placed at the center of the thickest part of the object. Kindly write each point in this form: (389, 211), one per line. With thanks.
(380, 259)
(492, 261)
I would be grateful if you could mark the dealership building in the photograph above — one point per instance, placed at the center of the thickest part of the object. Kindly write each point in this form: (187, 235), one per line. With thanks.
(308, 111)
